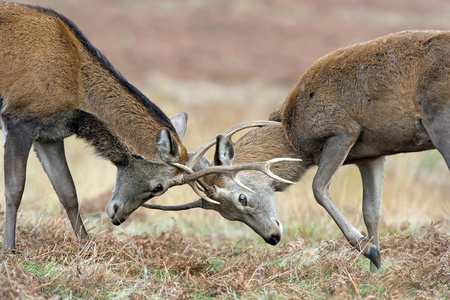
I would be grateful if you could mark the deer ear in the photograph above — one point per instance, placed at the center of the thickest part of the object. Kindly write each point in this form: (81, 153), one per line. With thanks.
(167, 145)
(224, 151)
(179, 121)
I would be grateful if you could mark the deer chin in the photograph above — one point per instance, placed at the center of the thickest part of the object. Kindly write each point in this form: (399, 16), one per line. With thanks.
(117, 221)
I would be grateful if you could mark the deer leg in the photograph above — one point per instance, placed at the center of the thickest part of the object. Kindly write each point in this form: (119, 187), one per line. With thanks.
(18, 140)
(438, 127)
(53, 160)
(333, 156)
(372, 174)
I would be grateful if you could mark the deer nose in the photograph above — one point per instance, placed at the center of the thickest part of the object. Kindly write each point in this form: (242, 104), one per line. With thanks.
(113, 211)
(274, 239)
(276, 236)
(280, 227)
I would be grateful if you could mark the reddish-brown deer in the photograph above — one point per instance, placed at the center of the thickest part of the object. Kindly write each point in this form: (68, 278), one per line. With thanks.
(353, 106)
(54, 83)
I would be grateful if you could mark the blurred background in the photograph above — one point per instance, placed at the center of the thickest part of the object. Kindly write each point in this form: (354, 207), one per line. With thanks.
(228, 61)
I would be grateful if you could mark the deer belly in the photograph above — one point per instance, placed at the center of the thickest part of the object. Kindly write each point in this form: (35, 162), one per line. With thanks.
(56, 127)
(391, 138)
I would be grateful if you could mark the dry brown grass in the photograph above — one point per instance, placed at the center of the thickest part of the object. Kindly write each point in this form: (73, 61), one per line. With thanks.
(52, 263)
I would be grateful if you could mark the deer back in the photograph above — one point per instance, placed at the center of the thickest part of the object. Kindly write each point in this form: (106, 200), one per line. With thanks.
(41, 63)
(373, 87)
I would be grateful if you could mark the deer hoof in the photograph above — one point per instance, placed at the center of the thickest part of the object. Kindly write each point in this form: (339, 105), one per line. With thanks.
(374, 255)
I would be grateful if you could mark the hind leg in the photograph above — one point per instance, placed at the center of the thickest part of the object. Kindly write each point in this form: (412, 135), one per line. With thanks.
(18, 140)
(437, 125)
(372, 174)
(53, 160)
(434, 104)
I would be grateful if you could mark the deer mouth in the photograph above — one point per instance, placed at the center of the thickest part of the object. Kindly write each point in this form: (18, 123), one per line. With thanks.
(116, 214)
(273, 240)
(117, 221)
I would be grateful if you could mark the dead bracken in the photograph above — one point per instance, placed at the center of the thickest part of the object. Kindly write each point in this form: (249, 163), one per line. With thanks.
(53, 263)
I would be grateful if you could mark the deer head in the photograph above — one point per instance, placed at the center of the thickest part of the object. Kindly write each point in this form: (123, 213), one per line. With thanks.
(139, 179)
(239, 192)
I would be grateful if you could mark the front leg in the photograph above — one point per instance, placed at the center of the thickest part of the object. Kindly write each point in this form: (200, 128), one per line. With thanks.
(53, 160)
(18, 140)
(332, 157)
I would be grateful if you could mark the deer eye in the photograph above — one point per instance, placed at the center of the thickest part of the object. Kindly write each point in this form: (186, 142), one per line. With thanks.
(158, 188)
(243, 199)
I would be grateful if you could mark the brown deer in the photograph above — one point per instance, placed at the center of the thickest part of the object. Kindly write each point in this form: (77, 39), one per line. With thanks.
(353, 106)
(54, 83)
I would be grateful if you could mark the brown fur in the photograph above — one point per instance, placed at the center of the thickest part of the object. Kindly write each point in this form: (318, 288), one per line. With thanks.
(46, 69)
(378, 88)
(354, 105)
(54, 83)
(374, 88)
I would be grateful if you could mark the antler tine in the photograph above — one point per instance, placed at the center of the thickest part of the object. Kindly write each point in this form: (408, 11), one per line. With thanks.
(201, 194)
(241, 126)
(206, 188)
(182, 167)
(193, 183)
(232, 170)
(239, 183)
(194, 204)
(269, 173)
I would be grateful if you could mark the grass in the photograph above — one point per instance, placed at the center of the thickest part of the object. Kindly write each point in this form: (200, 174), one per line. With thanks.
(108, 265)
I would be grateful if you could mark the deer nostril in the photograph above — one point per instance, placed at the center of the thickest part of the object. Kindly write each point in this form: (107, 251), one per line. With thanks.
(274, 239)
(115, 207)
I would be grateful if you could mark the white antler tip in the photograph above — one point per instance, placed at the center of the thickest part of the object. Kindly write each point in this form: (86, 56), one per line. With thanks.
(283, 159)
(269, 163)
(239, 183)
(210, 200)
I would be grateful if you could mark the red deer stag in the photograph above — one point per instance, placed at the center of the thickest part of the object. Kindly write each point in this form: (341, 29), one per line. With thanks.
(54, 83)
(353, 106)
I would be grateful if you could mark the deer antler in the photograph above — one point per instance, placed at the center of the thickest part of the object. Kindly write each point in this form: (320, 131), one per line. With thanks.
(202, 193)
(194, 179)
(241, 126)
(194, 204)
(232, 171)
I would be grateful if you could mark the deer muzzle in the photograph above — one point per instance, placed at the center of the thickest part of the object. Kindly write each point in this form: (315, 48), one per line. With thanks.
(275, 237)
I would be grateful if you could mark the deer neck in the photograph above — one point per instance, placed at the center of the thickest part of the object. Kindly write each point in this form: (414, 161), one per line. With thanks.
(125, 112)
(266, 143)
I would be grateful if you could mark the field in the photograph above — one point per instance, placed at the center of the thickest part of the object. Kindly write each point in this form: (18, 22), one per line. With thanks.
(225, 62)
